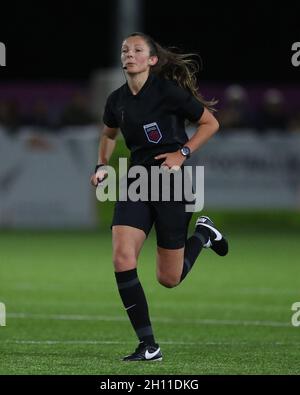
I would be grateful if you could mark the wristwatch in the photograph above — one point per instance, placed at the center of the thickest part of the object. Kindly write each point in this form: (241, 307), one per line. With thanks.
(185, 151)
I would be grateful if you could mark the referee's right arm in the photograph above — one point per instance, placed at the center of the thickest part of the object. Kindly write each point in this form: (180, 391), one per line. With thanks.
(107, 144)
(106, 147)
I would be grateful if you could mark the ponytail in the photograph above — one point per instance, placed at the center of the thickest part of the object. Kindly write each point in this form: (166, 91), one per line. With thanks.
(181, 68)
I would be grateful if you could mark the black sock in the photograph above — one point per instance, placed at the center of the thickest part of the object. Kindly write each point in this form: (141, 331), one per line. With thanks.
(193, 247)
(135, 303)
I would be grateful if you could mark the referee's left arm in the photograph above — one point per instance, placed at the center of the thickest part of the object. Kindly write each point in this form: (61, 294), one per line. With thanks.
(207, 127)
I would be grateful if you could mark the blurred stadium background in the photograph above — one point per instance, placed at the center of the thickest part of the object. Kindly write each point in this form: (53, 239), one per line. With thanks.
(230, 316)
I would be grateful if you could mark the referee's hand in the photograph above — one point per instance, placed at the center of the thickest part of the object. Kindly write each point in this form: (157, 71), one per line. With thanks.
(98, 177)
(172, 160)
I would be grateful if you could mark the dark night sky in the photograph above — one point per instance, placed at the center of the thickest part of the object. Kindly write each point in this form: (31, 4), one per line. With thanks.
(68, 40)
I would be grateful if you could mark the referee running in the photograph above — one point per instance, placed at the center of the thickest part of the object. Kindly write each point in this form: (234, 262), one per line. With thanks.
(150, 109)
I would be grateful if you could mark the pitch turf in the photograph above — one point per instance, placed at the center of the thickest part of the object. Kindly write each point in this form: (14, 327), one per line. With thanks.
(231, 315)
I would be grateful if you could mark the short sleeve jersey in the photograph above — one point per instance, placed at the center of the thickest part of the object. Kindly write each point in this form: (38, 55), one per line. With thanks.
(153, 120)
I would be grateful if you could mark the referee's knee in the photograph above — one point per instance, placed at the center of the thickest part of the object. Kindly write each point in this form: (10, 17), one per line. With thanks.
(124, 261)
(168, 281)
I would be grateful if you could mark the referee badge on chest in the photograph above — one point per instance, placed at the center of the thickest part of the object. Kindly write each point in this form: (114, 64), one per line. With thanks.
(152, 132)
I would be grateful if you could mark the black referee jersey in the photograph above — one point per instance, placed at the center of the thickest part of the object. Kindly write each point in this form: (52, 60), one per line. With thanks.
(152, 121)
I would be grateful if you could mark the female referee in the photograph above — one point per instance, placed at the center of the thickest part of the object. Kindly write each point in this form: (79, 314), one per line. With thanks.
(151, 109)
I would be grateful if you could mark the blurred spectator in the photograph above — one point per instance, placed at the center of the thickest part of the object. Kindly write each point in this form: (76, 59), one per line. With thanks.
(77, 112)
(235, 114)
(39, 116)
(294, 122)
(272, 114)
(10, 117)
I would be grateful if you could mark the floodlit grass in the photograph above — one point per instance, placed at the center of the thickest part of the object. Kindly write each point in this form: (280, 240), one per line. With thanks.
(230, 316)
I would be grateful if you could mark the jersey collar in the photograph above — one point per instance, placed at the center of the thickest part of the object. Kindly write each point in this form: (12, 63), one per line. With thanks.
(143, 88)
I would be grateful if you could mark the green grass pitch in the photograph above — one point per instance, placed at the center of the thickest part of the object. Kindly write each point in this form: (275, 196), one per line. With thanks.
(230, 316)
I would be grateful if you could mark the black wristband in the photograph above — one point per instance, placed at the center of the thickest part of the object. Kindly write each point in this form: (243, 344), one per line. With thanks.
(97, 167)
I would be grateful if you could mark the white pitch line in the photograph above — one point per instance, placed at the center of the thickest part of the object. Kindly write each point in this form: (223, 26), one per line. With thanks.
(66, 317)
(192, 306)
(166, 342)
(204, 321)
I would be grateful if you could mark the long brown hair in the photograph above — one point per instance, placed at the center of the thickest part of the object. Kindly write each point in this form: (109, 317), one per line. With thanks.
(178, 67)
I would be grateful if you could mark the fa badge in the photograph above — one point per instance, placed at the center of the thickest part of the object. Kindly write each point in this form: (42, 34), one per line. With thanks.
(152, 132)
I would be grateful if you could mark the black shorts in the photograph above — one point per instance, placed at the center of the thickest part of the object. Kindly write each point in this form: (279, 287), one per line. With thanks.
(169, 218)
